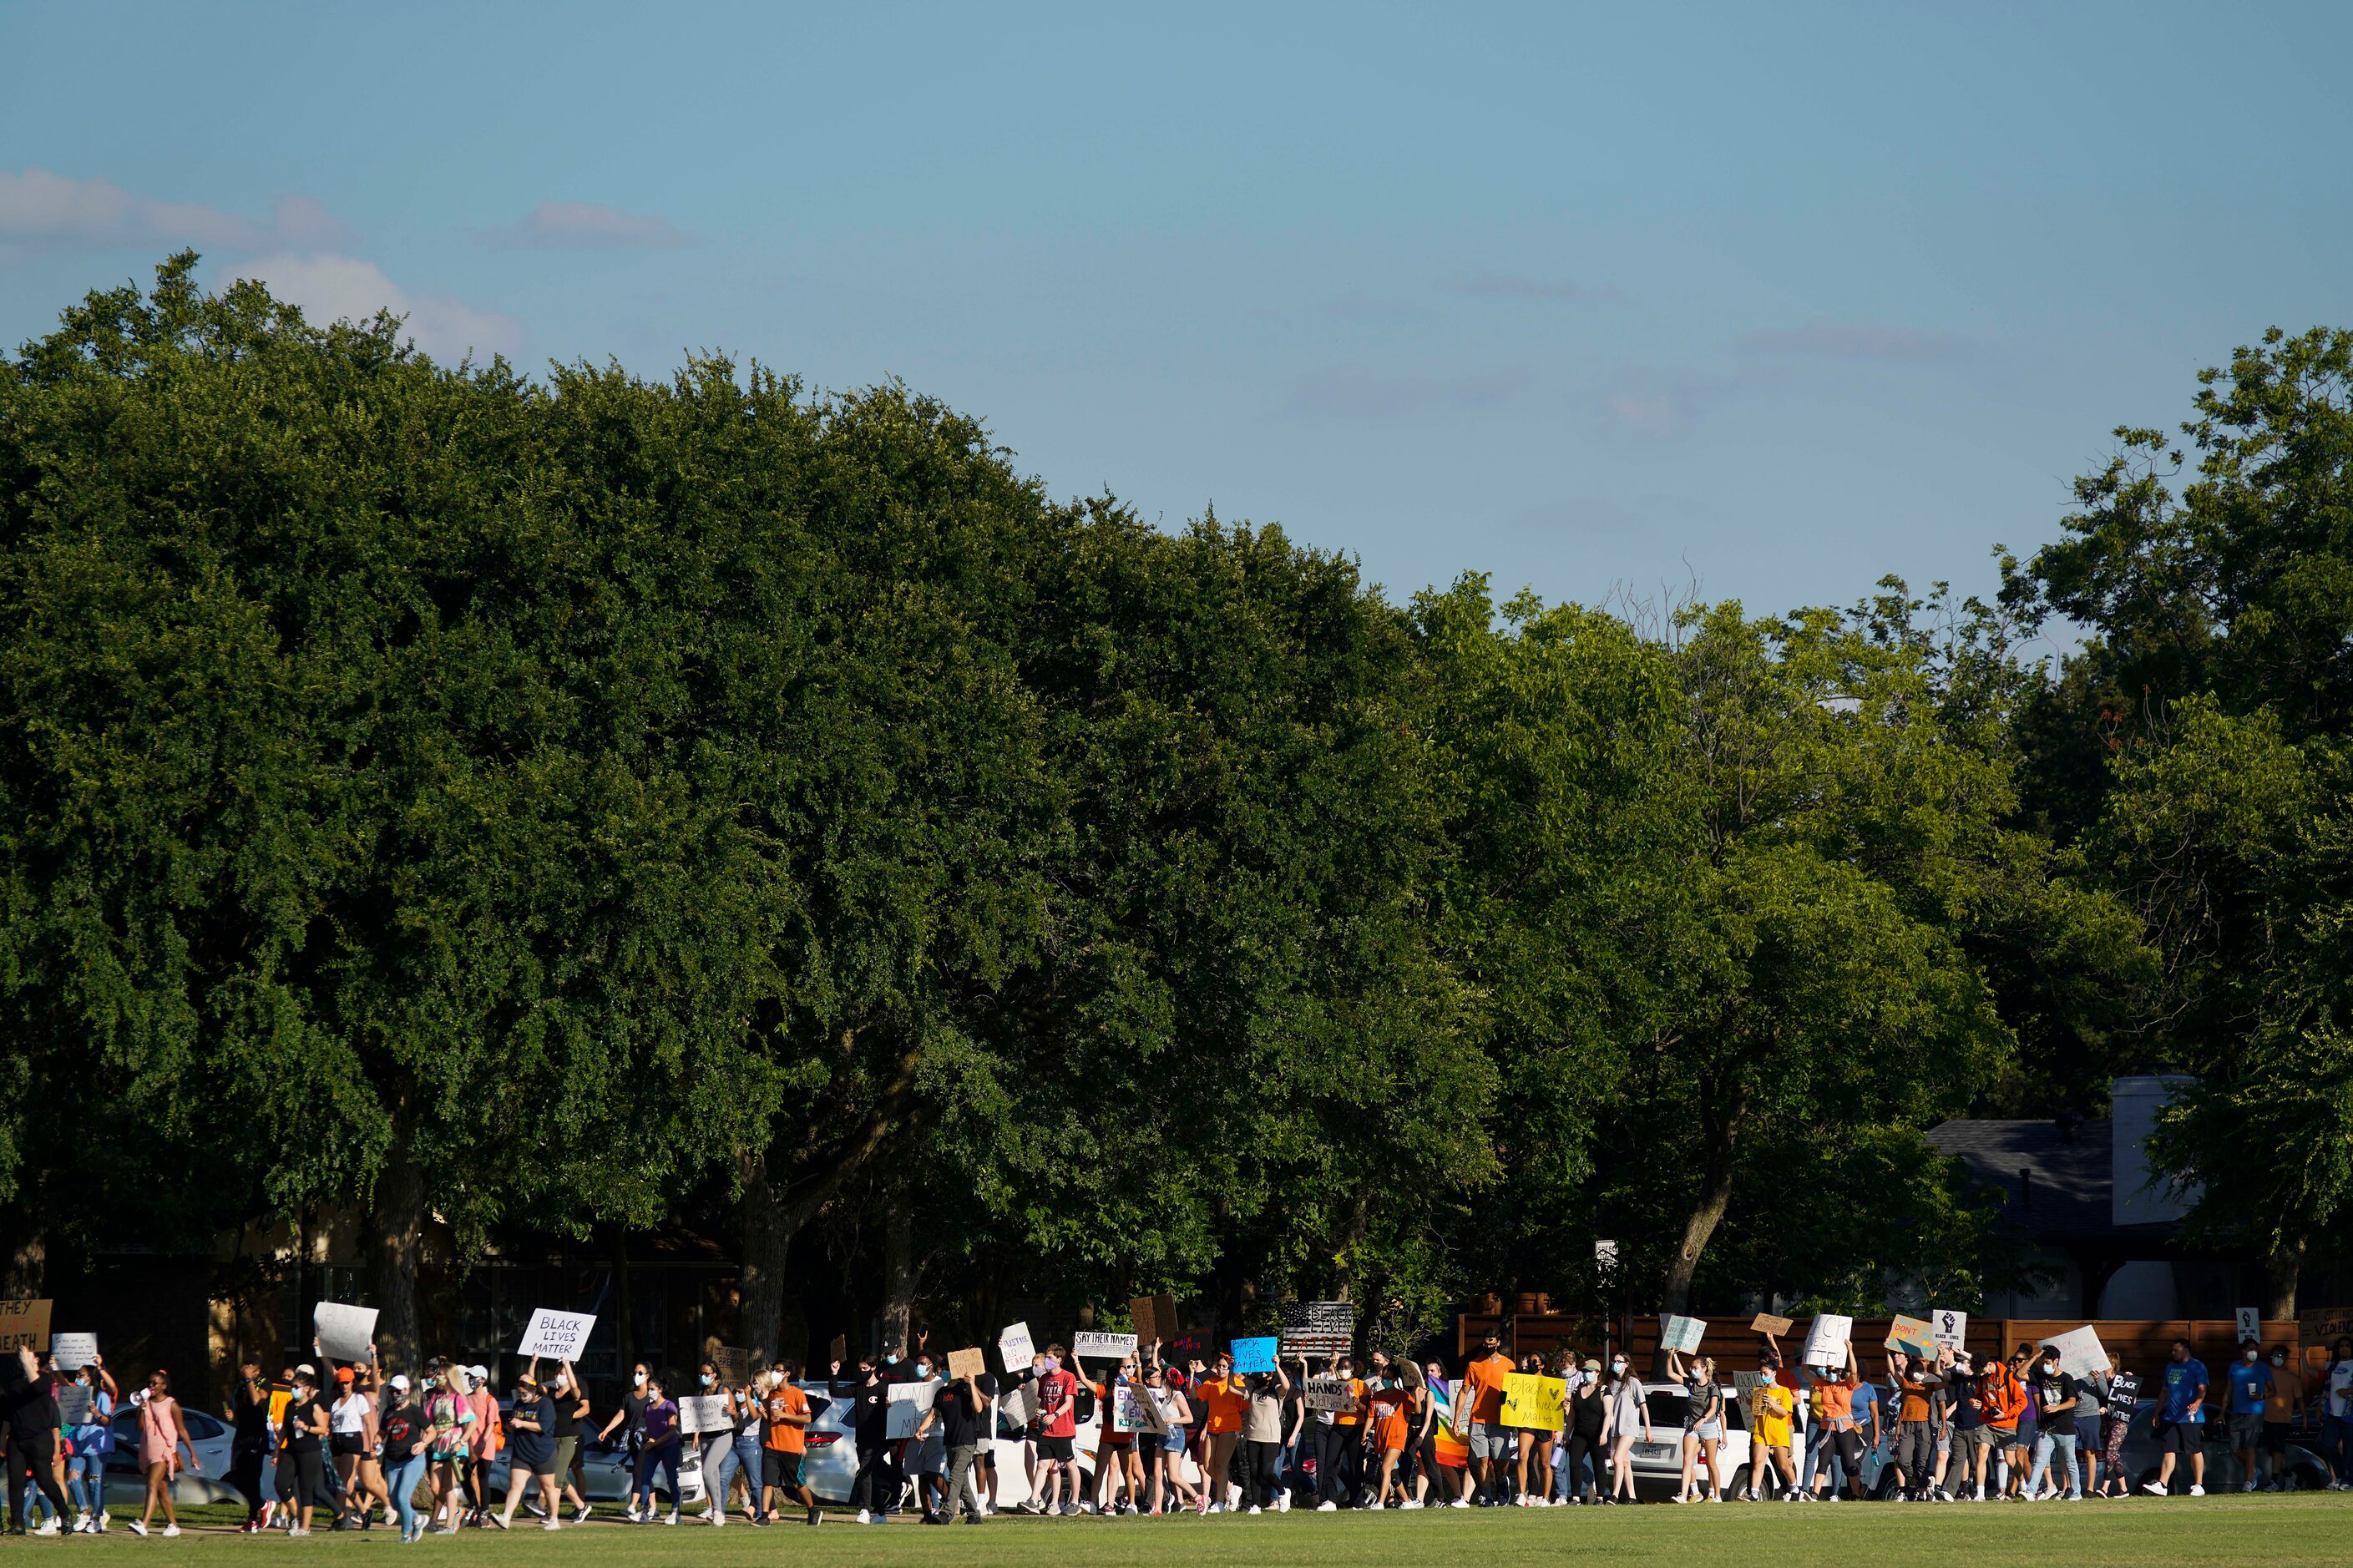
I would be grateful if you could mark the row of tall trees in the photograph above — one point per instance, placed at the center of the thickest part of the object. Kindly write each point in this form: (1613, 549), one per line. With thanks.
(570, 802)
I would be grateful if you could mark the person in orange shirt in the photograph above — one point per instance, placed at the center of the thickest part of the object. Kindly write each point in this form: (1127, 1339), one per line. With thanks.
(784, 1444)
(1395, 1398)
(1489, 1439)
(1224, 1400)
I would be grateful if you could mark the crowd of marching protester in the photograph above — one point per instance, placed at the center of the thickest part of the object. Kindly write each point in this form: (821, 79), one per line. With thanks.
(348, 1447)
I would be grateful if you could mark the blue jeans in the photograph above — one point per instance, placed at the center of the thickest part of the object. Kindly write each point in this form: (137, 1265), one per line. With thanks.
(2336, 1444)
(2064, 1443)
(402, 1477)
(653, 1457)
(85, 1481)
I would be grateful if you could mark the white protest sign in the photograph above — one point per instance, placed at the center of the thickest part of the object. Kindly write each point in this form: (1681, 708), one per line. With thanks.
(2080, 1352)
(556, 1336)
(1017, 1405)
(73, 1352)
(908, 1403)
(345, 1332)
(1681, 1334)
(699, 1413)
(1950, 1329)
(1826, 1339)
(1334, 1394)
(1105, 1347)
(2251, 1324)
(1013, 1347)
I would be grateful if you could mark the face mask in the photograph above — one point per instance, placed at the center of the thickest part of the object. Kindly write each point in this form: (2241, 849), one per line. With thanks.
(2279, 1361)
(1042, 1366)
(1053, 1365)
(638, 1380)
(1589, 1378)
(1617, 1366)
(2250, 1357)
(708, 1380)
(890, 1357)
(923, 1369)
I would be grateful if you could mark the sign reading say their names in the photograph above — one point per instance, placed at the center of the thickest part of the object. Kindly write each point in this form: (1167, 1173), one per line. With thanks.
(25, 1325)
(1826, 1339)
(345, 1332)
(551, 1335)
(1105, 1347)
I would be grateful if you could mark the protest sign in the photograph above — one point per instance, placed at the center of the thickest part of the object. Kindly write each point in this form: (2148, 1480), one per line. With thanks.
(75, 1400)
(551, 1335)
(1103, 1347)
(73, 1352)
(1130, 1412)
(1323, 1392)
(2325, 1326)
(973, 1362)
(1017, 1405)
(1532, 1401)
(1318, 1329)
(1164, 1319)
(345, 1332)
(2080, 1352)
(1912, 1336)
(1680, 1334)
(1950, 1330)
(2251, 1324)
(699, 1413)
(1147, 1327)
(1744, 1385)
(1164, 1407)
(838, 1350)
(24, 1325)
(1014, 1348)
(1767, 1323)
(1826, 1339)
(908, 1403)
(1254, 1355)
(735, 1365)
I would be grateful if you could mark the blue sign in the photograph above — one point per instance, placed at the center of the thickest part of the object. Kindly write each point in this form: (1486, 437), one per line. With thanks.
(1254, 1355)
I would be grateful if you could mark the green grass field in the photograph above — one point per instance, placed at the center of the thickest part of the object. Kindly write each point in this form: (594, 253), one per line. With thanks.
(2179, 1532)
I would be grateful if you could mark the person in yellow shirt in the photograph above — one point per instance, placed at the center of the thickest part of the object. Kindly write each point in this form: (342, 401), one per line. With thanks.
(1772, 1412)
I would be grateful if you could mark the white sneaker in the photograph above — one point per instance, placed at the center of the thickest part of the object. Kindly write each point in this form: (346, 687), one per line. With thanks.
(1410, 1502)
(673, 1518)
(862, 1515)
(48, 1526)
(1679, 1497)
(2248, 1488)
(2197, 1491)
(634, 1515)
(1282, 1503)
(2152, 1489)
(1327, 1506)
(1460, 1502)
(1254, 1507)
(138, 1526)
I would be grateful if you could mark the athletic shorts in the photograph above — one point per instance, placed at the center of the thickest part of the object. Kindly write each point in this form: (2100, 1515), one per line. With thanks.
(2024, 1438)
(1054, 1448)
(2183, 1437)
(1496, 1442)
(1990, 1437)
(2246, 1428)
(780, 1467)
(2275, 1435)
(347, 1443)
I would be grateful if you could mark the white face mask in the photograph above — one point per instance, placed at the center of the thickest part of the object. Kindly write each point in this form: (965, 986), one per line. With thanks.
(1617, 1366)
(638, 1380)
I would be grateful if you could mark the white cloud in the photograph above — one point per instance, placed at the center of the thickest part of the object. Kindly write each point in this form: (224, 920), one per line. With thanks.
(1656, 417)
(583, 226)
(1357, 391)
(41, 208)
(1853, 340)
(336, 288)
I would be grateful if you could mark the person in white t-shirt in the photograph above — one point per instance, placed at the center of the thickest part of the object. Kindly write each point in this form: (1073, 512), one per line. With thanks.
(2337, 1414)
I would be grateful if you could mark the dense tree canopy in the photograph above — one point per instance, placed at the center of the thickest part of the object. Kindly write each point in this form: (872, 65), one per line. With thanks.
(791, 817)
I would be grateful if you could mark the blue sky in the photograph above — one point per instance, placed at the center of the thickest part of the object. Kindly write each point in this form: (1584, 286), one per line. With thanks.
(1777, 299)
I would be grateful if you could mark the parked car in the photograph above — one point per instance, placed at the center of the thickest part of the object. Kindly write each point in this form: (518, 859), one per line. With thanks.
(1659, 1463)
(830, 1463)
(208, 1437)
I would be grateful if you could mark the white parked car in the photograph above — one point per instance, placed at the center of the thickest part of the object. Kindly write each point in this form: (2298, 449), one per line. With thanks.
(209, 1438)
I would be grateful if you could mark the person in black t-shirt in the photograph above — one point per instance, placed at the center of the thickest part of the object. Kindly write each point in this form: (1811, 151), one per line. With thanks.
(2057, 1397)
(961, 1411)
(250, 1447)
(303, 1442)
(30, 1405)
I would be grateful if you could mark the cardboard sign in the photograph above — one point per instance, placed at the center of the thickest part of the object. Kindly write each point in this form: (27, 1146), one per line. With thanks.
(1323, 1392)
(1533, 1401)
(2080, 1352)
(700, 1412)
(551, 1335)
(1826, 1339)
(973, 1362)
(908, 1403)
(1105, 1347)
(73, 1352)
(345, 1332)
(1139, 1312)
(25, 1325)
(1912, 1336)
(1164, 1318)
(1254, 1355)
(1014, 1348)
(2251, 1324)
(1017, 1405)
(1767, 1323)
(1318, 1329)
(735, 1365)
(838, 1350)
(1744, 1385)
(1949, 1329)
(1681, 1334)
(2324, 1326)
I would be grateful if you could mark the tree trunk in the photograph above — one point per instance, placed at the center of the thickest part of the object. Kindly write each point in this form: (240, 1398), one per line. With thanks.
(2283, 1266)
(399, 1239)
(28, 1266)
(1718, 1134)
(768, 1230)
(899, 1272)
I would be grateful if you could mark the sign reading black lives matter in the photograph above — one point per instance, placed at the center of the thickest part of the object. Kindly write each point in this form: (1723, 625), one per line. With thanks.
(1316, 1329)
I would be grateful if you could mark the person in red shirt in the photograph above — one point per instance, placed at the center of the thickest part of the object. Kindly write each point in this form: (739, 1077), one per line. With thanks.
(1056, 1425)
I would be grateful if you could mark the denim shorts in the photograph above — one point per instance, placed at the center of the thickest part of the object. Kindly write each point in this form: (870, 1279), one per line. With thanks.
(1174, 1443)
(1708, 1431)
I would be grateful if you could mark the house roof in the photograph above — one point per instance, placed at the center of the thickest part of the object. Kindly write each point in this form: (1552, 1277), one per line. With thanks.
(2055, 1179)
